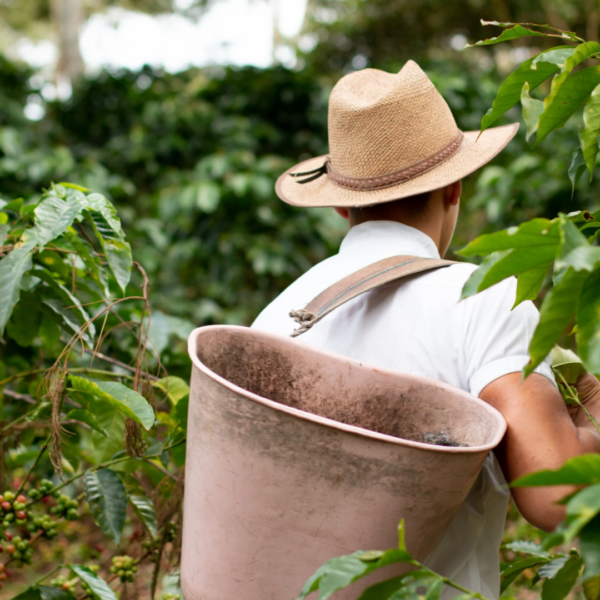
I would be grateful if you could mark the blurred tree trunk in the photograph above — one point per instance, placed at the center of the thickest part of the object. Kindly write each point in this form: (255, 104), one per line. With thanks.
(592, 21)
(67, 17)
(277, 39)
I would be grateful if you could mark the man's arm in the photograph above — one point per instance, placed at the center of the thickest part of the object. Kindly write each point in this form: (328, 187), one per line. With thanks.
(542, 434)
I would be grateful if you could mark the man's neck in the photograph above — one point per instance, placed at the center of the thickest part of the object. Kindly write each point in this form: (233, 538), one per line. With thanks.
(428, 227)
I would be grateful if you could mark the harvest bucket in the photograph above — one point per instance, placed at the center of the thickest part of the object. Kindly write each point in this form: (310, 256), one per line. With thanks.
(296, 455)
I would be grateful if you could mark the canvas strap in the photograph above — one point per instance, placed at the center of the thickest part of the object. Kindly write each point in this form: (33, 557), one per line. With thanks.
(361, 281)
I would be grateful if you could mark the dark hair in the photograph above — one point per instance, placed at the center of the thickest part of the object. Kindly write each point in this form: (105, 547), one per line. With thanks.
(412, 204)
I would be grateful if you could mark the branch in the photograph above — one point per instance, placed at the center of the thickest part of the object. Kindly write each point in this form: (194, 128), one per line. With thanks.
(17, 396)
(33, 466)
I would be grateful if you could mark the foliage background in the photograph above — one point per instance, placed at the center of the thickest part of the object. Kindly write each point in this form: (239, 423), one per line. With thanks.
(190, 159)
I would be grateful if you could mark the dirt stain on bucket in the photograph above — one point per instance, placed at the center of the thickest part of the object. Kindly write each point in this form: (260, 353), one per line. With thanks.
(441, 438)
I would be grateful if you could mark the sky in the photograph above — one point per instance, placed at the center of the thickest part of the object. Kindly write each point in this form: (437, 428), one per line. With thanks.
(236, 32)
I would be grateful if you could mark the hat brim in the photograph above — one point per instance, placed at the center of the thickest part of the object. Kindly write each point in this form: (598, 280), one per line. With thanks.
(475, 151)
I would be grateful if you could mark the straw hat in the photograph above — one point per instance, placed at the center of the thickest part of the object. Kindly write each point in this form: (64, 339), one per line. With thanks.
(390, 136)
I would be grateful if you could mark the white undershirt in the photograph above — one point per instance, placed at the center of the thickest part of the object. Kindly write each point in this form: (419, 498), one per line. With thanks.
(420, 326)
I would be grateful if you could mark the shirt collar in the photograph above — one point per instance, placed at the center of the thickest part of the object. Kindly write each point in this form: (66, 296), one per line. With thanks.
(382, 239)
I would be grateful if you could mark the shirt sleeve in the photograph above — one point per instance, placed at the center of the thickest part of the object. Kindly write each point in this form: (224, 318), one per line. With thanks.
(498, 336)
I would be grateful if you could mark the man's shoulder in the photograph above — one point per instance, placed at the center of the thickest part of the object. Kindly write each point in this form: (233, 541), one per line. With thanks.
(298, 294)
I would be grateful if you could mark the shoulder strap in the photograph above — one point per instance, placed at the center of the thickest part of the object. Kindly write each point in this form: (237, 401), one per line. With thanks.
(366, 279)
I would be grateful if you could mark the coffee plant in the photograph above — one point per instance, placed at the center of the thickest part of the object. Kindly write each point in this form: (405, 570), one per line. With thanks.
(92, 427)
(561, 254)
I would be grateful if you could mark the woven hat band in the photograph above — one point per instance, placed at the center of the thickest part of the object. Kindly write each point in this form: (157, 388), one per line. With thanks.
(365, 184)
(383, 181)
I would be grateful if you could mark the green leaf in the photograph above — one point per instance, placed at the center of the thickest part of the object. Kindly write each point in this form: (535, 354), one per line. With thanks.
(512, 571)
(575, 250)
(90, 260)
(588, 323)
(567, 363)
(74, 186)
(529, 283)
(557, 56)
(99, 588)
(509, 92)
(208, 196)
(589, 136)
(530, 235)
(566, 96)
(555, 313)
(552, 540)
(31, 593)
(156, 449)
(580, 470)
(175, 388)
(550, 569)
(85, 416)
(142, 505)
(385, 590)
(12, 268)
(401, 536)
(515, 32)
(102, 216)
(126, 400)
(339, 572)
(532, 109)
(581, 509)
(561, 582)
(528, 548)
(14, 206)
(567, 35)
(4, 230)
(577, 168)
(473, 284)
(65, 304)
(516, 262)
(52, 593)
(53, 215)
(163, 326)
(181, 413)
(591, 588)
(589, 542)
(419, 584)
(25, 322)
(106, 497)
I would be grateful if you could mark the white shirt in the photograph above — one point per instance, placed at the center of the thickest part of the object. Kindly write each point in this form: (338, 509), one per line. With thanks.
(419, 325)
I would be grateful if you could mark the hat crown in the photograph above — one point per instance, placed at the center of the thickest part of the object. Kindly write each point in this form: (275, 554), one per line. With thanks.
(381, 123)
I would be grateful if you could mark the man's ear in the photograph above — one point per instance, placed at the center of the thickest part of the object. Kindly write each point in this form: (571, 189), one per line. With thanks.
(342, 211)
(452, 193)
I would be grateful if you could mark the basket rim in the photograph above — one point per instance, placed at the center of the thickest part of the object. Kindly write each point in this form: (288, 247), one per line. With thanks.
(325, 421)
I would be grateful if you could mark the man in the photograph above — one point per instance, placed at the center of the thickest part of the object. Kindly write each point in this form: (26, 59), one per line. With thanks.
(394, 170)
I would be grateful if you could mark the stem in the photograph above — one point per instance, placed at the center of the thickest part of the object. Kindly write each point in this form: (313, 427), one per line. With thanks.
(79, 475)
(449, 582)
(47, 575)
(175, 444)
(33, 466)
(17, 396)
(17, 420)
(113, 361)
(161, 469)
(89, 371)
(19, 375)
(75, 370)
(573, 395)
